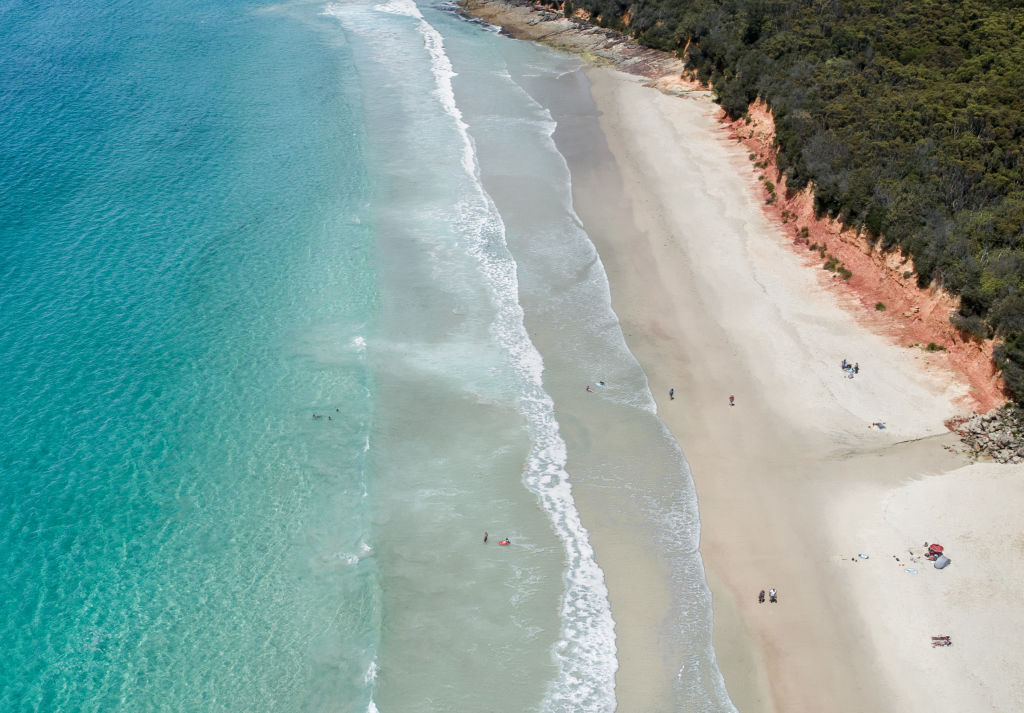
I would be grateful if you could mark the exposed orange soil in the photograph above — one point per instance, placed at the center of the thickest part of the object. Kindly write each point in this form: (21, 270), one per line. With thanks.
(913, 317)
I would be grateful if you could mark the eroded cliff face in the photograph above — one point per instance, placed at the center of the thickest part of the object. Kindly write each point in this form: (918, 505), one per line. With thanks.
(879, 287)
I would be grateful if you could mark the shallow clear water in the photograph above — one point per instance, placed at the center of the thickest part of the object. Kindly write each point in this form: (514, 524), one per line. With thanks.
(218, 221)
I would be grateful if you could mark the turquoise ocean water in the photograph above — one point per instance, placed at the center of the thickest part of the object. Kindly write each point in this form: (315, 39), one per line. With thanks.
(218, 220)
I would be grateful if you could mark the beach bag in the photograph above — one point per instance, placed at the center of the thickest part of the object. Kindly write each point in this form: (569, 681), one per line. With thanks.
(941, 561)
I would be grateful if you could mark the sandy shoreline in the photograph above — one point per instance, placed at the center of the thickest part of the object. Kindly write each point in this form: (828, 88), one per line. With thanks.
(793, 482)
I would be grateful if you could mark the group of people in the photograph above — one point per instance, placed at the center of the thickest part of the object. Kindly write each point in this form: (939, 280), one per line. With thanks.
(773, 596)
(850, 369)
(941, 641)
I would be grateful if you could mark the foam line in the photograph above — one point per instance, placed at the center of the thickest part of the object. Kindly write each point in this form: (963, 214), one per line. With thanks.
(585, 652)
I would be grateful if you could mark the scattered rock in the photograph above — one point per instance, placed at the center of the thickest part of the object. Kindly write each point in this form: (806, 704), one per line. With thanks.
(527, 20)
(998, 434)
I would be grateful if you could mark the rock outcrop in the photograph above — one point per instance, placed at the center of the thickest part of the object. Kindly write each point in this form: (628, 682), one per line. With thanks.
(998, 434)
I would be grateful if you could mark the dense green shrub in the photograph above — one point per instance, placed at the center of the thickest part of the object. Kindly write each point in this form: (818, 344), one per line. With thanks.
(907, 119)
(971, 324)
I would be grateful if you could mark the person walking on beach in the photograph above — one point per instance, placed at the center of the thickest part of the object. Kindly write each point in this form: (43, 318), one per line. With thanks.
(760, 597)
(732, 400)
(485, 537)
(671, 394)
(772, 596)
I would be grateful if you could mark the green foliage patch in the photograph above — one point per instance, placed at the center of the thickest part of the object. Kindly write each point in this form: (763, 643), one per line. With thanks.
(907, 119)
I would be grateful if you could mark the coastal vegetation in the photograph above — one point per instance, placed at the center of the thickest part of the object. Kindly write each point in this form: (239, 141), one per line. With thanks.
(905, 118)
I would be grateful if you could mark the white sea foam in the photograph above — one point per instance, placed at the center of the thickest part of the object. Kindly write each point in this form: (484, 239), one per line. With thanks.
(350, 558)
(371, 674)
(678, 521)
(641, 399)
(400, 7)
(585, 653)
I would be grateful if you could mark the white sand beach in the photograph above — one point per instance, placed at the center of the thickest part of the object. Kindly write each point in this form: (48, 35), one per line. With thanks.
(794, 481)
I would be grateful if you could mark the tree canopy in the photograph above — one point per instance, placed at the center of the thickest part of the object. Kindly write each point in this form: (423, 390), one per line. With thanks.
(906, 117)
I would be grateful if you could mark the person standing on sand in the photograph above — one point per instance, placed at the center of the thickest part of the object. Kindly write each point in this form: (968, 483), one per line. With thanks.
(732, 400)
(760, 597)
(485, 537)
(671, 394)
(772, 596)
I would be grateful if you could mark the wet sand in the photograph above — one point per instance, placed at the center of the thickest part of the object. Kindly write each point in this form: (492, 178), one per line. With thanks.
(793, 481)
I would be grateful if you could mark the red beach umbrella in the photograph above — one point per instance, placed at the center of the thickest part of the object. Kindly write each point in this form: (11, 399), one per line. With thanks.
(935, 548)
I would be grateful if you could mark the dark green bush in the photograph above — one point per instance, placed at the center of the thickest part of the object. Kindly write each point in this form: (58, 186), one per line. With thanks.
(906, 117)
(971, 324)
